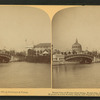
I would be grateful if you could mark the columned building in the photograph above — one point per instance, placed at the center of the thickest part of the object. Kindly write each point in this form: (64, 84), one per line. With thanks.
(40, 49)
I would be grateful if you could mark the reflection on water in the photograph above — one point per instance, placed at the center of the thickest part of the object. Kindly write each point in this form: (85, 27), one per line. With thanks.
(76, 76)
(25, 75)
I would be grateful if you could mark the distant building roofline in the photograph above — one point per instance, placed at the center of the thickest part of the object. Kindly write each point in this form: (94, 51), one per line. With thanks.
(43, 45)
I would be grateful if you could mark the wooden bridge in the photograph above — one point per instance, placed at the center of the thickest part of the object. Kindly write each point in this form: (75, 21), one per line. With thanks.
(5, 57)
(81, 58)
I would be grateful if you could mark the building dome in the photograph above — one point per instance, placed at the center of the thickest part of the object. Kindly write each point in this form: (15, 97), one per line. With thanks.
(76, 47)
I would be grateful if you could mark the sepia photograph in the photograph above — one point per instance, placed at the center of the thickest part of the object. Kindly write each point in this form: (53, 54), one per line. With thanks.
(76, 48)
(25, 47)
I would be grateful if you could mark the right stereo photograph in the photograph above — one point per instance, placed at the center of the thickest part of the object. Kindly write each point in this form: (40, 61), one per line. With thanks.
(76, 48)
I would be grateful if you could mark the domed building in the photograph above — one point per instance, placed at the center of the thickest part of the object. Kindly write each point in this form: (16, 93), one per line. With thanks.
(76, 47)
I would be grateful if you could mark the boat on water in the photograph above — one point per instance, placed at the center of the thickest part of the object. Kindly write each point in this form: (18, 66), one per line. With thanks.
(58, 59)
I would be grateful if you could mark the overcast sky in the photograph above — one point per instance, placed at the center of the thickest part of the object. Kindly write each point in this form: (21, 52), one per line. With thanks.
(20, 24)
(82, 23)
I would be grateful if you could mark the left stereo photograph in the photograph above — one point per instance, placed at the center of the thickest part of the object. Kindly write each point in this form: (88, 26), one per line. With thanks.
(25, 47)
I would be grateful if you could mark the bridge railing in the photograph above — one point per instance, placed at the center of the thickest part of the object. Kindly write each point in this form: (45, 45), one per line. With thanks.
(68, 55)
(5, 55)
(79, 55)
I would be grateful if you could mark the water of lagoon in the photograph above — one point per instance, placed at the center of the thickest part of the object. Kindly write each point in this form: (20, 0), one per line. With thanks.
(25, 75)
(76, 76)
